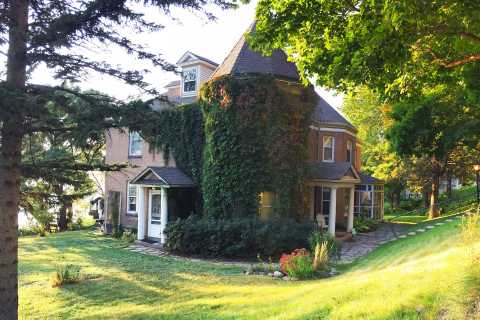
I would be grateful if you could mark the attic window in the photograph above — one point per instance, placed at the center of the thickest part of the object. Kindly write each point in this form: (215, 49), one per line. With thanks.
(190, 80)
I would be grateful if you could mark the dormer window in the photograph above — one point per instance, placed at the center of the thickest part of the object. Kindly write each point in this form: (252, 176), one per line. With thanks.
(328, 147)
(190, 80)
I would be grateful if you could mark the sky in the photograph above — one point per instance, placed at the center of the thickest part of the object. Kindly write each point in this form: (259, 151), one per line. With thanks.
(184, 31)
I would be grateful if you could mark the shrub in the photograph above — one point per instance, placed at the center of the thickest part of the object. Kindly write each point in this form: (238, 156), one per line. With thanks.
(300, 266)
(65, 275)
(321, 257)
(286, 258)
(334, 247)
(362, 224)
(239, 237)
(129, 236)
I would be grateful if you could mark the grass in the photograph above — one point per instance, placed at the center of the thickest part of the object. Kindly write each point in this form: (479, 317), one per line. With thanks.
(460, 197)
(413, 278)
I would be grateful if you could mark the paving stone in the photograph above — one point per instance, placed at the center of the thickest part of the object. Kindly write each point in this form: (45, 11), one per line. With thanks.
(430, 227)
(439, 224)
(403, 236)
(449, 220)
(411, 233)
(420, 230)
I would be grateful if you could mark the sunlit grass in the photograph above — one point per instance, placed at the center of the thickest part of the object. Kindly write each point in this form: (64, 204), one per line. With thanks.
(414, 278)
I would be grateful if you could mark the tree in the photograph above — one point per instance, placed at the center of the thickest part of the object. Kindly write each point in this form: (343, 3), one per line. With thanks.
(394, 47)
(62, 186)
(48, 31)
(433, 126)
(369, 115)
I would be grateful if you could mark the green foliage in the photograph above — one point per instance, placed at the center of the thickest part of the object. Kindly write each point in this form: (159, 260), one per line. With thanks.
(321, 256)
(178, 131)
(334, 246)
(362, 224)
(256, 132)
(239, 237)
(394, 47)
(300, 267)
(129, 236)
(66, 274)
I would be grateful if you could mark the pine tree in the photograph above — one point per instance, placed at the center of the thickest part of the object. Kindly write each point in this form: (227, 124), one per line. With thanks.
(47, 31)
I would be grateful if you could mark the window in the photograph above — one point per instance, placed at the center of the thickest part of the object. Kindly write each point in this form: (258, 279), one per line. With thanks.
(134, 144)
(189, 80)
(325, 201)
(350, 152)
(328, 147)
(266, 204)
(131, 198)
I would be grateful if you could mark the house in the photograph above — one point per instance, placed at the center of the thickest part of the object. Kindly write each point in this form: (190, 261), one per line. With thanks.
(152, 192)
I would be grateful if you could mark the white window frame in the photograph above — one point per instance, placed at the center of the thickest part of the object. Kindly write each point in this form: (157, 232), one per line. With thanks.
(130, 196)
(197, 76)
(333, 148)
(130, 141)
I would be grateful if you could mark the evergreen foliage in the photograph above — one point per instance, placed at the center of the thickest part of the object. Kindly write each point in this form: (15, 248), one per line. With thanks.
(256, 140)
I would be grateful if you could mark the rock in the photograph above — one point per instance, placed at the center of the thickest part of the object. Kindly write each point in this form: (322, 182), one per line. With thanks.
(286, 278)
(271, 274)
(278, 274)
(247, 273)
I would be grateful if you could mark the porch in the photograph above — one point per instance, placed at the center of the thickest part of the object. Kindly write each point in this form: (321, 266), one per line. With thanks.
(164, 194)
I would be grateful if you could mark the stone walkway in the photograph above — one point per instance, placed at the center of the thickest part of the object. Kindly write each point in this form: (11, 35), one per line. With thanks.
(366, 242)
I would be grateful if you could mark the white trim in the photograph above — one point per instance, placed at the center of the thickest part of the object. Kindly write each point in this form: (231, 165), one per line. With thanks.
(141, 214)
(333, 149)
(128, 198)
(197, 80)
(328, 129)
(142, 173)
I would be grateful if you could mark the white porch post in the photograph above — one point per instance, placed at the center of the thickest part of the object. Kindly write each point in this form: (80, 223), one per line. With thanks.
(140, 213)
(163, 214)
(333, 211)
(350, 210)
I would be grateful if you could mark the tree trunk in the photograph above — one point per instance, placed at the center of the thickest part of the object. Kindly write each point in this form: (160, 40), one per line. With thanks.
(10, 157)
(434, 210)
(62, 218)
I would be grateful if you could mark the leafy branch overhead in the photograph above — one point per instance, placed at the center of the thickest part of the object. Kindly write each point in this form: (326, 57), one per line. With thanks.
(392, 46)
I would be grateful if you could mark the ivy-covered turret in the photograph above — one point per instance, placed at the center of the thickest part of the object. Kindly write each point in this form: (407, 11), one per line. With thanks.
(256, 115)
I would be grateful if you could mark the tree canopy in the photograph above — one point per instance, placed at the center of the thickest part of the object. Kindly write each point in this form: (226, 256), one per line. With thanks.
(394, 47)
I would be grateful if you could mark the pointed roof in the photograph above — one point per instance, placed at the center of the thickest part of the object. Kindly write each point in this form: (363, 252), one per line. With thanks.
(334, 171)
(190, 57)
(243, 60)
(325, 113)
(163, 176)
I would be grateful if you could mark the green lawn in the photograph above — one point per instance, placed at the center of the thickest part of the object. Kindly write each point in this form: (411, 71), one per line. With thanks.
(413, 278)
(461, 198)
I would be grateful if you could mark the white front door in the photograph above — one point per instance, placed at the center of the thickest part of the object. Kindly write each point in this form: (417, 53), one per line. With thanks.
(154, 213)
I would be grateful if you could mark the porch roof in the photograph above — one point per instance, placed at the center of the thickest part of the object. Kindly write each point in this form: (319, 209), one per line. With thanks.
(163, 176)
(368, 179)
(334, 171)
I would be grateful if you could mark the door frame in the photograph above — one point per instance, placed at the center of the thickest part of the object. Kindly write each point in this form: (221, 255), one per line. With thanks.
(151, 193)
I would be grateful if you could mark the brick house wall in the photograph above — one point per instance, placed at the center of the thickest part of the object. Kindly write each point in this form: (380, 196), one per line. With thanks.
(117, 144)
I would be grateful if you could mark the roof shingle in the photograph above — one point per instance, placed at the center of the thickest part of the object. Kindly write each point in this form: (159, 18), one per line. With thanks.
(242, 60)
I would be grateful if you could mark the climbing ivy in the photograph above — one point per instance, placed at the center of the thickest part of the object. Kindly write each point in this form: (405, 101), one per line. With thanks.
(256, 132)
(178, 131)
